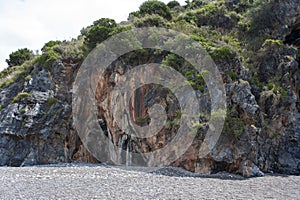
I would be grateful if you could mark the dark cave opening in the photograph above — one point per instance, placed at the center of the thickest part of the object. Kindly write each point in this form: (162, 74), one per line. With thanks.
(294, 37)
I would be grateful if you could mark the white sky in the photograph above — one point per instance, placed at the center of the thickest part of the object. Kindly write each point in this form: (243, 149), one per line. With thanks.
(32, 23)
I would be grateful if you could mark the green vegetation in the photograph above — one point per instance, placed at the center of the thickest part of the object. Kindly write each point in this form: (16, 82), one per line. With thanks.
(50, 44)
(23, 124)
(277, 89)
(12, 74)
(255, 81)
(20, 96)
(50, 102)
(142, 120)
(202, 20)
(174, 61)
(271, 131)
(71, 49)
(19, 57)
(173, 4)
(53, 113)
(197, 125)
(23, 110)
(194, 4)
(151, 7)
(172, 122)
(28, 77)
(48, 57)
(101, 30)
(219, 114)
(276, 133)
(150, 21)
(210, 14)
(236, 34)
(270, 42)
(232, 75)
(238, 126)
(261, 16)
(222, 53)
(233, 124)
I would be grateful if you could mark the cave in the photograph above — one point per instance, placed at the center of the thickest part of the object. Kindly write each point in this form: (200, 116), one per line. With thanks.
(294, 37)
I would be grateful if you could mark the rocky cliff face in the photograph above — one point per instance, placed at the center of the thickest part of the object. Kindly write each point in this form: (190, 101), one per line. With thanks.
(36, 128)
(261, 131)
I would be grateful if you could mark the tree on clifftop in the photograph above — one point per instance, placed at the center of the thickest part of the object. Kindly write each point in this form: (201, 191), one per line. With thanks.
(155, 7)
(19, 57)
(98, 32)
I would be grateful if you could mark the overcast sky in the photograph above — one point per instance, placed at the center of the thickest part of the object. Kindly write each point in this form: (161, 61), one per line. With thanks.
(32, 23)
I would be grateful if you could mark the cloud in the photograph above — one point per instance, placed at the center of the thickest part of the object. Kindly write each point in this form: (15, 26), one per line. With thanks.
(32, 23)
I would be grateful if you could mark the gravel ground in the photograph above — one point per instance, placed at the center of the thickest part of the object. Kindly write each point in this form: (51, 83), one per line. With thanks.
(101, 182)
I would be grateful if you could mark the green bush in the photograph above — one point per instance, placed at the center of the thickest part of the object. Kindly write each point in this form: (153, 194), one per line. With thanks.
(271, 42)
(204, 41)
(173, 4)
(277, 89)
(50, 102)
(233, 124)
(197, 125)
(188, 16)
(47, 58)
(101, 30)
(20, 96)
(218, 115)
(255, 81)
(194, 4)
(194, 78)
(233, 42)
(73, 49)
(242, 6)
(28, 77)
(174, 61)
(5, 72)
(105, 22)
(7, 82)
(223, 52)
(172, 123)
(211, 14)
(96, 35)
(151, 7)
(150, 21)
(12, 74)
(23, 110)
(232, 75)
(50, 44)
(19, 57)
(262, 16)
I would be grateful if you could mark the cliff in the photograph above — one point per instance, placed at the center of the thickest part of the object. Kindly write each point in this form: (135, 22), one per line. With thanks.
(256, 49)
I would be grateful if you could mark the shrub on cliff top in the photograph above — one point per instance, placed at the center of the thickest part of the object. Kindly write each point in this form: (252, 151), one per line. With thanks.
(12, 74)
(101, 30)
(150, 21)
(155, 7)
(19, 57)
(48, 57)
(194, 4)
(50, 44)
(173, 4)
